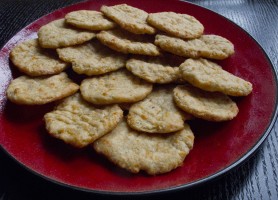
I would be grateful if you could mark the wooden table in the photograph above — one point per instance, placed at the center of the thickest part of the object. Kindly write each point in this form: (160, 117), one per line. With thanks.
(255, 179)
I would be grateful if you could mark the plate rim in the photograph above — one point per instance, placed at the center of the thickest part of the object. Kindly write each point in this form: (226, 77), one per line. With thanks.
(217, 175)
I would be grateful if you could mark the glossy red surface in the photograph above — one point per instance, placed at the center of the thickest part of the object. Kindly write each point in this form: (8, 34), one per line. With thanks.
(217, 145)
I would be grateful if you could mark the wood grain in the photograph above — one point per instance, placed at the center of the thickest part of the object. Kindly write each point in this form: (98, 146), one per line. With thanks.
(256, 179)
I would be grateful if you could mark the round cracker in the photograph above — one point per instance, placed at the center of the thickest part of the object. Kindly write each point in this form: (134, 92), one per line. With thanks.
(79, 123)
(217, 46)
(179, 25)
(40, 90)
(92, 58)
(58, 34)
(209, 76)
(207, 46)
(89, 19)
(211, 106)
(135, 151)
(116, 87)
(129, 18)
(122, 41)
(157, 113)
(153, 70)
(32, 60)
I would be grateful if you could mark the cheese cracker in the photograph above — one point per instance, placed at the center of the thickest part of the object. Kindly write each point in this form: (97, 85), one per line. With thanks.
(79, 123)
(135, 151)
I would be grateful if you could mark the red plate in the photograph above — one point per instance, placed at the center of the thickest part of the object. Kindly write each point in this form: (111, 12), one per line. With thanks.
(218, 148)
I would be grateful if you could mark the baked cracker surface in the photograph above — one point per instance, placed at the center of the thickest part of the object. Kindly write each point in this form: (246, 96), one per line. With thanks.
(135, 151)
(80, 123)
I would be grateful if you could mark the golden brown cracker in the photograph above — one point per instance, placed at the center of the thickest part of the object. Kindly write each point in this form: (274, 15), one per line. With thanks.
(92, 58)
(129, 18)
(153, 70)
(157, 113)
(209, 76)
(135, 151)
(122, 41)
(89, 20)
(211, 106)
(116, 87)
(79, 123)
(176, 24)
(58, 34)
(40, 90)
(207, 46)
(32, 60)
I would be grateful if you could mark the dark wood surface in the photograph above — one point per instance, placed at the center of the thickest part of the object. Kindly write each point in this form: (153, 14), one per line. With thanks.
(255, 179)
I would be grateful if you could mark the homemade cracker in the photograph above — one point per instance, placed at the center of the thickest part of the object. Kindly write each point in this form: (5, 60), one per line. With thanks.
(117, 110)
(40, 90)
(79, 123)
(207, 46)
(32, 60)
(116, 87)
(153, 70)
(89, 19)
(129, 18)
(58, 34)
(135, 151)
(209, 76)
(92, 58)
(178, 25)
(211, 106)
(217, 47)
(157, 113)
(125, 42)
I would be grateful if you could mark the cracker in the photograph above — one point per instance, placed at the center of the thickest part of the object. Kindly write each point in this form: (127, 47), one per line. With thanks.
(178, 25)
(32, 60)
(40, 90)
(157, 113)
(153, 70)
(116, 87)
(58, 34)
(92, 58)
(129, 18)
(209, 76)
(217, 47)
(207, 46)
(211, 106)
(135, 151)
(79, 123)
(125, 42)
(89, 20)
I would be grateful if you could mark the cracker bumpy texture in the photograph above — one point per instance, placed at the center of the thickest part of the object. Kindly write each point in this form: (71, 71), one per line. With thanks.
(208, 76)
(178, 25)
(129, 18)
(135, 151)
(117, 87)
(79, 123)
(58, 34)
(157, 113)
(32, 60)
(122, 41)
(89, 20)
(211, 106)
(207, 46)
(153, 70)
(92, 58)
(40, 90)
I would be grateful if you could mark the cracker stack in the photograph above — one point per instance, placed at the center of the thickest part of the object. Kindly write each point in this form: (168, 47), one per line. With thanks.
(153, 66)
